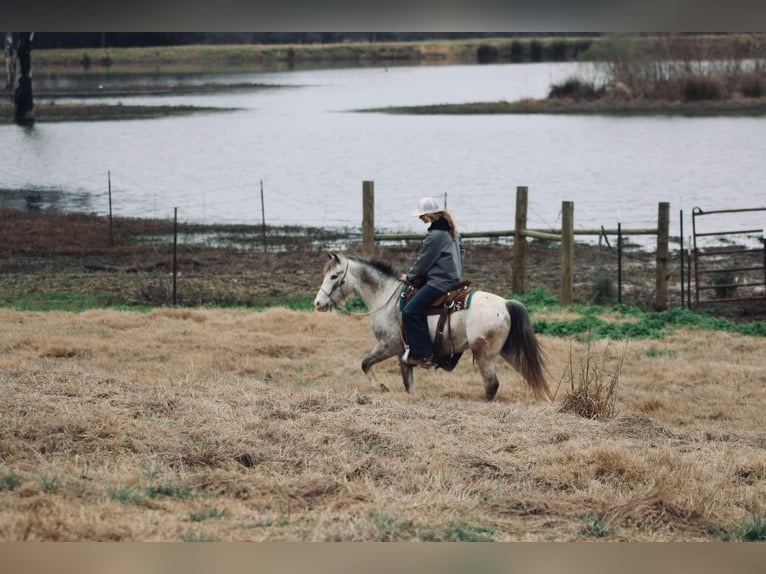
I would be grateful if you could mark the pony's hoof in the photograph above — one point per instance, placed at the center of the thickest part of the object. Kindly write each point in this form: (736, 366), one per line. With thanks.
(383, 388)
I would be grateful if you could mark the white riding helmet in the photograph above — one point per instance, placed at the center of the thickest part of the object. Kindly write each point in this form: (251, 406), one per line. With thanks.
(426, 206)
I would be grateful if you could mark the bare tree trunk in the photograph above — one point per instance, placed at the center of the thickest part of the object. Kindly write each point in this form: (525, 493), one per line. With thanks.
(10, 61)
(23, 96)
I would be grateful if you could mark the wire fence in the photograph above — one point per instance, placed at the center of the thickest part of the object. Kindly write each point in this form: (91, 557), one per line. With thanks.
(323, 204)
(240, 216)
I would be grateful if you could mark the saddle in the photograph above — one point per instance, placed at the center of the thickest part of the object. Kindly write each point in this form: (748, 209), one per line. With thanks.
(456, 299)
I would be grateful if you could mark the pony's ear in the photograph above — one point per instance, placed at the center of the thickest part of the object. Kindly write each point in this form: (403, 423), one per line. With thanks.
(332, 255)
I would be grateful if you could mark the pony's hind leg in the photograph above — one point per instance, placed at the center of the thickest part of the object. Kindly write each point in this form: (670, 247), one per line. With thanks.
(491, 384)
(486, 367)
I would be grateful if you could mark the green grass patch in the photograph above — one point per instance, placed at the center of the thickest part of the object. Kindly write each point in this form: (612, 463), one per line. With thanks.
(460, 532)
(168, 490)
(198, 537)
(594, 527)
(656, 353)
(55, 300)
(305, 303)
(538, 299)
(10, 481)
(304, 376)
(626, 321)
(752, 530)
(591, 327)
(206, 514)
(143, 498)
(389, 529)
(129, 496)
(282, 519)
(268, 523)
(50, 485)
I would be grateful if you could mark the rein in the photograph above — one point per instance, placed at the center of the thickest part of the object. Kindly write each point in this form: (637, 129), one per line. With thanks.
(369, 313)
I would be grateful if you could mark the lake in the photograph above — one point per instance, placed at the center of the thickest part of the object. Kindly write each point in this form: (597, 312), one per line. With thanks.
(310, 153)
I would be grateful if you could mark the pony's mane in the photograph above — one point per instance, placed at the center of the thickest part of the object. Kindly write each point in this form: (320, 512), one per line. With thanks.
(381, 266)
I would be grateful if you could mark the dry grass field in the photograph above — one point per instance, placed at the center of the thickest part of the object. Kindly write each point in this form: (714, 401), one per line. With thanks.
(236, 425)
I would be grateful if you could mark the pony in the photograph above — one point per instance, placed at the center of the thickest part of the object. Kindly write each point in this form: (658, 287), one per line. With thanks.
(489, 327)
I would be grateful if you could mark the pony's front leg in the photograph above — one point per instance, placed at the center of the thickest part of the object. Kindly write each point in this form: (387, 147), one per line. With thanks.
(380, 353)
(408, 376)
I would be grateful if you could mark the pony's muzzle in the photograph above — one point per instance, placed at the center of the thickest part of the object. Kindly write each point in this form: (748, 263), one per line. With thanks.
(322, 305)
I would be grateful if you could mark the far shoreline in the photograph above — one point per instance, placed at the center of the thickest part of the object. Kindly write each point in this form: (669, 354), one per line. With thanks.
(751, 107)
(48, 111)
(273, 57)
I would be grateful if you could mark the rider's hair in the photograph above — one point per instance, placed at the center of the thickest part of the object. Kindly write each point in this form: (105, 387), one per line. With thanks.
(448, 218)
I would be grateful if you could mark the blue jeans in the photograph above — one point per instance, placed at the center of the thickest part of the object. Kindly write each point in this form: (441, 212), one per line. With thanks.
(415, 324)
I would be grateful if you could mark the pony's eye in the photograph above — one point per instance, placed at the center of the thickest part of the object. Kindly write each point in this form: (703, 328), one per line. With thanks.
(334, 276)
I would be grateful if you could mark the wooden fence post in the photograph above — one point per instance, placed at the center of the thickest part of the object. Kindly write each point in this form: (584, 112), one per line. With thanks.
(519, 241)
(175, 256)
(368, 218)
(663, 232)
(567, 252)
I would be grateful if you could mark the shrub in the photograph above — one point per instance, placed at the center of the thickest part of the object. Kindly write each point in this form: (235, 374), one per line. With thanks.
(558, 51)
(517, 51)
(725, 285)
(603, 290)
(486, 54)
(701, 88)
(752, 85)
(576, 89)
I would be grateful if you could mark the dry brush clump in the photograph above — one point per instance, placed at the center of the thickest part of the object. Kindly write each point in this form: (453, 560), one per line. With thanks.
(593, 383)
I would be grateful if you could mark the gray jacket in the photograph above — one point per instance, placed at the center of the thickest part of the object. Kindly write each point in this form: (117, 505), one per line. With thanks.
(440, 260)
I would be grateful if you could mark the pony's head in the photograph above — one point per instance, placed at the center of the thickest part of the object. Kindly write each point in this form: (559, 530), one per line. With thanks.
(331, 291)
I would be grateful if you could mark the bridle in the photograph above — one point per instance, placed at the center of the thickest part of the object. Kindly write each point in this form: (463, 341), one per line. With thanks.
(338, 285)
(342, 306)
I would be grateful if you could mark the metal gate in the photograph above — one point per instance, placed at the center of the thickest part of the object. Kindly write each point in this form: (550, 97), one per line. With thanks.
(729, 266)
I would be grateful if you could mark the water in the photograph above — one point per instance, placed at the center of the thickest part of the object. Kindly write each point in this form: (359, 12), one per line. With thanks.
(312, 154)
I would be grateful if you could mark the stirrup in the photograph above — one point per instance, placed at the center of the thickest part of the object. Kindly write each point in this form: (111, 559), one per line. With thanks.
(426, 363)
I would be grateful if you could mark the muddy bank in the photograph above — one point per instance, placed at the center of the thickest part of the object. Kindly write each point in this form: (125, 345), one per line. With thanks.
(131, 263)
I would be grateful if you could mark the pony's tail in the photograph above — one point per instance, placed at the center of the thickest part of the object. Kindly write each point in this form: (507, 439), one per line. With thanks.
(523, 351)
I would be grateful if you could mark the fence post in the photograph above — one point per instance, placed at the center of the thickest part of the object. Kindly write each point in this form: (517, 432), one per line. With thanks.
(175, 254)
(368, 218)
(111, 221)
(519, 241)
(567, 252)
(619, 259)
(663, 233)
(683, 285)
(263, 220)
